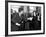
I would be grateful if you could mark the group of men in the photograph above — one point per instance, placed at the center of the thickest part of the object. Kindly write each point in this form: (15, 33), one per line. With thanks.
(24, 20)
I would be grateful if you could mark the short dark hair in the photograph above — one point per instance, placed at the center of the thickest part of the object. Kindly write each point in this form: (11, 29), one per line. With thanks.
(20, 9)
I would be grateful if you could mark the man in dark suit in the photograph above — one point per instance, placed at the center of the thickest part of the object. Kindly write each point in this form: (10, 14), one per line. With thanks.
(15, 19)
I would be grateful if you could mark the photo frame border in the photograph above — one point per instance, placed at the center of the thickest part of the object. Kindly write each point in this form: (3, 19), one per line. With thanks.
(6, 17)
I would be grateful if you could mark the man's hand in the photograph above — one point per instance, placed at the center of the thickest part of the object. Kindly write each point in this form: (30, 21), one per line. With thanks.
(17, 24)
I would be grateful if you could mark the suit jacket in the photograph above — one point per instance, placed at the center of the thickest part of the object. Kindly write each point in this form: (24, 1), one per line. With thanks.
(15, 19)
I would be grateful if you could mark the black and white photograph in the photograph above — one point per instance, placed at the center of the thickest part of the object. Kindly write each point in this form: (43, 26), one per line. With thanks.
(25, 18)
